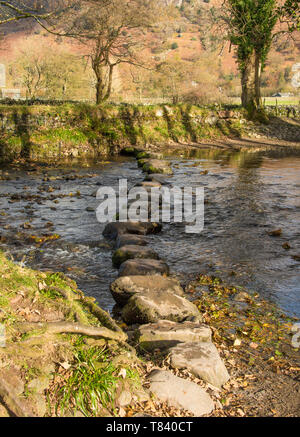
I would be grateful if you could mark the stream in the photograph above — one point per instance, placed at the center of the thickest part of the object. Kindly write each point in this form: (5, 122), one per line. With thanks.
(247, 194)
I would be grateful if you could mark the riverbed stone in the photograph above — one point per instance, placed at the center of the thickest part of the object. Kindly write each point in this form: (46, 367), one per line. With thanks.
(180, 393)
(132, 252)
(159, 305)
(156, 166)
(149, 184)
(123, 288)
(165, 334)
(157, 177)
(202, 360)
(142, 267)
(114, 229)
(125, 239)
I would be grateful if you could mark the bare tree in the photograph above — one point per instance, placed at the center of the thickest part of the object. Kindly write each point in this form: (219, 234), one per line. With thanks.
(112, 32)
(40, 11)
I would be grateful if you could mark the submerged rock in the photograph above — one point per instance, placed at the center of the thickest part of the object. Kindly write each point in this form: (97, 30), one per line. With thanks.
(180, 393)
(202, 359)
(125, 287)
(132, 252)
(159, 305)
(114, 229)
(137, 267)
(165, 334)
(125, 239)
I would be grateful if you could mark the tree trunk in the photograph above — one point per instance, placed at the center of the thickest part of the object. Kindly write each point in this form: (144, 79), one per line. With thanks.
(251, 80)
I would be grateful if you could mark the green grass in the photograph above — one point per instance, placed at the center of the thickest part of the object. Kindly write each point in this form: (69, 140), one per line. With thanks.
(92, 386)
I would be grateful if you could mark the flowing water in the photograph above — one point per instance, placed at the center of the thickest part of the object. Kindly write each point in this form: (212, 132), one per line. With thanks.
(246, 195)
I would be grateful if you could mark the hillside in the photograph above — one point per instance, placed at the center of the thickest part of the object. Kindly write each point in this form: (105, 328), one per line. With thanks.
(196, 57)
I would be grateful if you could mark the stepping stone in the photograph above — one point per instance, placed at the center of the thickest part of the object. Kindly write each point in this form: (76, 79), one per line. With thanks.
(137, 267)
(149, 184)
(157, 177)
(180, 393)
(114, 229)
(156, 166)
(165, 334)
(126, 239)
(159, 305)
(123, 288)
(202, 359)
(132, 252)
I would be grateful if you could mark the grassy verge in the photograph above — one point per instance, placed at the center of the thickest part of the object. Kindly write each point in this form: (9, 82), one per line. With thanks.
(46, 372)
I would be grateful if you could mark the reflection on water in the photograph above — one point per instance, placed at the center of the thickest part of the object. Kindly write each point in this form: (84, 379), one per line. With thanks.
(247, 194)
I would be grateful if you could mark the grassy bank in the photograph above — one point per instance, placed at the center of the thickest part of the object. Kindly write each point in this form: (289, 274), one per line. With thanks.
(63, 355)
(75, 130)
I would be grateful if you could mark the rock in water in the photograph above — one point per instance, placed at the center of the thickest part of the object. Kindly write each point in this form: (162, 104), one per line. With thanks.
(165, 334)
(134, 267)
(201, 359)
(159, 305)
(180, 393)
(123, 288)
(115, 229)
(125, 239)
(132, 252)
(156, 166)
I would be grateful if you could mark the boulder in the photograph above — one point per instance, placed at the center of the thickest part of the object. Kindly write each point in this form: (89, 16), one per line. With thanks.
(157, 177)
(202, 359)
(142, 267)
(125, 239)
(159, 305)
(155, 166)
(165, 334)
(114, 229)
(123, 288)
(132, 252)
(180, 393)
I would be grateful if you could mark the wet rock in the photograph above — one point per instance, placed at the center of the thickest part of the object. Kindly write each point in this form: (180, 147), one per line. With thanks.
(132, 252)
(180, 393)
(129, 239)
(156, 166)
(165, 334)
(158, 305)
(114, 229)
(202, 359)
(242, 296)
(156, 177)
(275, 233)
(149, 184)
(142, 267)
(123, 288)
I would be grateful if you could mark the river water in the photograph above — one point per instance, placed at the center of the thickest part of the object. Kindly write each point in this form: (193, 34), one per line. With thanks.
(247, 194)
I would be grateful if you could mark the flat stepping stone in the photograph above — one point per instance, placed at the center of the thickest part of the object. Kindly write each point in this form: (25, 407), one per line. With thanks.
(157, 177)
(114, 229)
(165, 334)
(123, 288)
(156, 166)
(129, 239)
(142, 267)
(180, 393)
(159, 305)
(132, 252)
(202, 360)
(149, 184)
